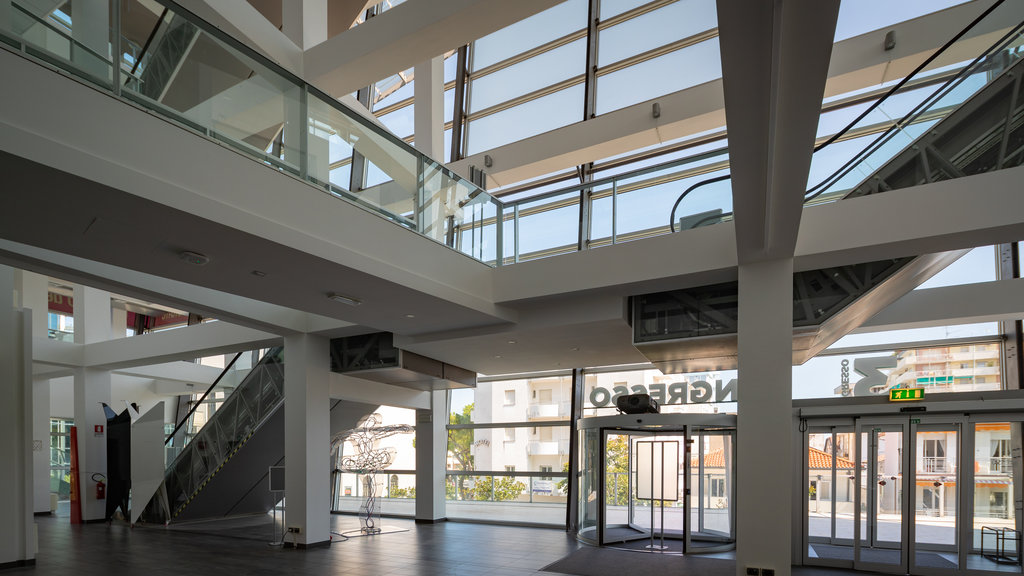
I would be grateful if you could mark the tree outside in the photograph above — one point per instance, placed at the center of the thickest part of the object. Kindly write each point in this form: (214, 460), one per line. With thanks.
(460, 448)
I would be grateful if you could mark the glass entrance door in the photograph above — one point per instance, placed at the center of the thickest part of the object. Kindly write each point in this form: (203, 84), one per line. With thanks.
(936, 485)
(644, 490)
(712, 489)
(831, 472)
(881, 500)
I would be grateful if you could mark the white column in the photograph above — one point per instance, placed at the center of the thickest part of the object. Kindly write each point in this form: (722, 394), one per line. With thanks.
(92, 315)
(92, 386)
(307, 439)
(304, 22)
(31, 292)
(118, 320)
(17, 533)
(764, 420)
(41, 444)
(428, 108)
(431, 458)
(91, 28)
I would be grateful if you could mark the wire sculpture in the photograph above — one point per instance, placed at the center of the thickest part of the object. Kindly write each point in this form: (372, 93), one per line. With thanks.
(368, 459)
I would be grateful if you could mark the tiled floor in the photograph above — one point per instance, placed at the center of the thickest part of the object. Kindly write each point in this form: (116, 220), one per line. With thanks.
(448, 548)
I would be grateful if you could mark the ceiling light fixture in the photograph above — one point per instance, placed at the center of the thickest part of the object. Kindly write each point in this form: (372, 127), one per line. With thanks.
(194, 258)
(511, 341)
(343, 299)
(259, 273)
(410, 315)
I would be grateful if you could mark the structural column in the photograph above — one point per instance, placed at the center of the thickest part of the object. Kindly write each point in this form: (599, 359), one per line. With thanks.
(31, 292)
(431, 458)
(428, 107)
(764, 416)
(304, 22)
(17, 534)
(307, 440)
(92, 387)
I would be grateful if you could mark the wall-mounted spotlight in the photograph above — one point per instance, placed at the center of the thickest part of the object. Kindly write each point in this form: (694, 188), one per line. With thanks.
(656, 110)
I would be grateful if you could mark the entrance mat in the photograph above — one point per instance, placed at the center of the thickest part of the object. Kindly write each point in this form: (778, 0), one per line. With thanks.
(591, 561)
(880, 556)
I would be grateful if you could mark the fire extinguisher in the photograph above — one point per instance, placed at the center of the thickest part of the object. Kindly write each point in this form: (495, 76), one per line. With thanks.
(101, 486)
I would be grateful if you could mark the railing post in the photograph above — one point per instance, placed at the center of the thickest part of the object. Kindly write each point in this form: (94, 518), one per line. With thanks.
(115, 47)
(304, 132)
(615, 210)
(499, 232)
(515, 233)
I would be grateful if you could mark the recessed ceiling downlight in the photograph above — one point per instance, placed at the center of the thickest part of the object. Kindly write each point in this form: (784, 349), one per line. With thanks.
(194, 258)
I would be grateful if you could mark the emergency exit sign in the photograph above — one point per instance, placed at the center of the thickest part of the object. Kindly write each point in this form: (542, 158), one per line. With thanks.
(905, 394)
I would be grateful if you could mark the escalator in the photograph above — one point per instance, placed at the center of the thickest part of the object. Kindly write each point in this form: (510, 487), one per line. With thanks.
(970, 124)
(222, 471)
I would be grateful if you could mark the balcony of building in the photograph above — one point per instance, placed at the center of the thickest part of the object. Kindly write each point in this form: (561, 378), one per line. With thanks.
(548, 411)
(548, 448)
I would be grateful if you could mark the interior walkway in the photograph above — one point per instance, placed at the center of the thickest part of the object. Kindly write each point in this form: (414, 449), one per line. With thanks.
(241, 547)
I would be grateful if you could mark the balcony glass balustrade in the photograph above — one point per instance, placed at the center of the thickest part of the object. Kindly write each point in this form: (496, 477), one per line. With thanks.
(161, 57)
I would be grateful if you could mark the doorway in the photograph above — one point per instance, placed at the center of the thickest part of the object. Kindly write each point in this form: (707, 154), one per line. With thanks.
(661, 483)
(923, 495)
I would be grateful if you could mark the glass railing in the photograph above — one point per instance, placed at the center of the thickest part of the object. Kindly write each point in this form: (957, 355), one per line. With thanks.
(911, 110)
(616, 209)
(177, 65)
(886, 125)
(205, 405)
(257, 397)
(183, 68)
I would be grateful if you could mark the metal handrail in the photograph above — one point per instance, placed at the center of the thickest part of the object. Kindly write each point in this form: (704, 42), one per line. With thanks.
(202, 398)
(820, 187)
(909, 118)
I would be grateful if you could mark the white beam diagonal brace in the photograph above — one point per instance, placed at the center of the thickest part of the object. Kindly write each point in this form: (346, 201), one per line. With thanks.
(775, 58)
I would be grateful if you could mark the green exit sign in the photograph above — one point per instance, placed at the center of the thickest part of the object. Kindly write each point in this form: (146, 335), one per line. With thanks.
(905, 394)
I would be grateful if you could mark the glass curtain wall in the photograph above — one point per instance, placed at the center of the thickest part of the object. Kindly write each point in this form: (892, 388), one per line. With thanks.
(394, 486)
(508, 450)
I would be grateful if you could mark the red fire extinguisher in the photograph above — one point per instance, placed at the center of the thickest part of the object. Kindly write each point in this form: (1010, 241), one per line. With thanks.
(101, 487)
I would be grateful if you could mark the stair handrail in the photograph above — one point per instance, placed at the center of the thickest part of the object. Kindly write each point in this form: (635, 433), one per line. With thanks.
(811, 194)
(149, 40)
(910, 116)
(196, 404)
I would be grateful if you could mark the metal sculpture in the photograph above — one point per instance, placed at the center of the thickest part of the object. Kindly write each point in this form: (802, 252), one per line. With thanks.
(368, 459)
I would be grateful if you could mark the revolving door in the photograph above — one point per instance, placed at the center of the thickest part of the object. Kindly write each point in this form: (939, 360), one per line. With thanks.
(658, 482)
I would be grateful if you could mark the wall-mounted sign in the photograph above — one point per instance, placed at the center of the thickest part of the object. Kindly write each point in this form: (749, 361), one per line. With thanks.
(699, 392)
(906, 394)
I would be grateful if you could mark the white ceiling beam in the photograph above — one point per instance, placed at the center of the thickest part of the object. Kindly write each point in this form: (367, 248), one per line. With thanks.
(185, 343)
(775, 58)
(991, 301)
(974, 211)
(406, 35)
